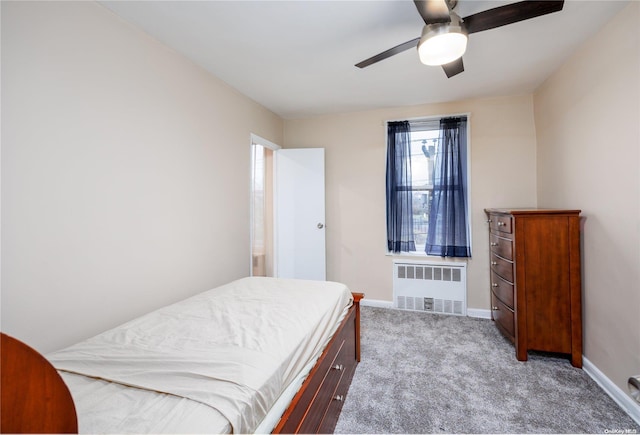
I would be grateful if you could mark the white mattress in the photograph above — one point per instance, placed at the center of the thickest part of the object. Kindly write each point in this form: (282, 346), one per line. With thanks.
(214, 363)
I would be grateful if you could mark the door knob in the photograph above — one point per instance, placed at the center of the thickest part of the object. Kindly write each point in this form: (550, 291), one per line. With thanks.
(320, 226)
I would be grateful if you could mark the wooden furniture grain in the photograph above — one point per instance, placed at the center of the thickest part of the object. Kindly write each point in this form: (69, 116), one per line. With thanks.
(34, 398)
(317, 405)
(535, 279)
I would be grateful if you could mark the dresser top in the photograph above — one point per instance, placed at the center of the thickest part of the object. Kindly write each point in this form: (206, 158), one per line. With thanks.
(531, 211)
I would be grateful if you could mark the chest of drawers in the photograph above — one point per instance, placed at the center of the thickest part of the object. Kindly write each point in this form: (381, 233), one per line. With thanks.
(535, 279)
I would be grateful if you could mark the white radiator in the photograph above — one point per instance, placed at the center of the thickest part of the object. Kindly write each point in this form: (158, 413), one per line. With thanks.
(433, 287)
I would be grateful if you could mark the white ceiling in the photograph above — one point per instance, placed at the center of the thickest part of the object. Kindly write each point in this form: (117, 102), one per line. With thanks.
(297, 57)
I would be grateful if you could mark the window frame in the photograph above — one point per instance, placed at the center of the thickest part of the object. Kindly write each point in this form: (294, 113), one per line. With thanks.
(436, 119)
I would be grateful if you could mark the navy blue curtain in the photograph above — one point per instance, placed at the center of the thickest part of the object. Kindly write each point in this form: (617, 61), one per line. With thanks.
(399, 195)
(447, 235)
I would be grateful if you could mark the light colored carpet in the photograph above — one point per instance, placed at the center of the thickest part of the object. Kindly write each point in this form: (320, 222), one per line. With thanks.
(429, 373)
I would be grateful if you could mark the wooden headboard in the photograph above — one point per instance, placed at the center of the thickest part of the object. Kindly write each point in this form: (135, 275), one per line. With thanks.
(34, 398)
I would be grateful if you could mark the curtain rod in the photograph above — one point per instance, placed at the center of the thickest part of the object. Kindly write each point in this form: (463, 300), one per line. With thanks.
(427, 118)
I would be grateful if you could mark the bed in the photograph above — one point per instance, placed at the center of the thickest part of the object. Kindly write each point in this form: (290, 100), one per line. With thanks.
(257, 355)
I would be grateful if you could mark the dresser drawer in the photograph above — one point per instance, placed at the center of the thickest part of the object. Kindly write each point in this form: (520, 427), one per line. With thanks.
(346, 364)
(501, 246)
(502, 267)
(503, 317)
(502, 289)
(335, 406)
(324, 395)
(500, 222)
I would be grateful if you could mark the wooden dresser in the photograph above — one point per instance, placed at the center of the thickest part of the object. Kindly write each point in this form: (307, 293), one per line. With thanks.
(535, 279)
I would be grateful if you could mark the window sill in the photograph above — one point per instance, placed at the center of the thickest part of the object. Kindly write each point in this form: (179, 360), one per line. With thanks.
(428, 257)
(410, 254)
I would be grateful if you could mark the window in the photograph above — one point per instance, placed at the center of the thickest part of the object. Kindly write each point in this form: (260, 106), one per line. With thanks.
(424, 145)
(427, 204)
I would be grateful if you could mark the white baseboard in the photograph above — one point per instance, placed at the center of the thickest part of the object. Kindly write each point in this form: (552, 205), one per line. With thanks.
(625, 402)
(376, 303)
(479, 313)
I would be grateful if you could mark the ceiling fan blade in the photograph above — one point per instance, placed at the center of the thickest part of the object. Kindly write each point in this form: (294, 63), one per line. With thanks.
(388, 53)
(433, 11)
(453, 68)
(509, 14)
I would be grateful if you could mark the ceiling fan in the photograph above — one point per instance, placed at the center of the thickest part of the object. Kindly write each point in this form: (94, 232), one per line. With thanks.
(444, 36)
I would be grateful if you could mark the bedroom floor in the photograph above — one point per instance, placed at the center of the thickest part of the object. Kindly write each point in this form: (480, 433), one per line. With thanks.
(426, 373)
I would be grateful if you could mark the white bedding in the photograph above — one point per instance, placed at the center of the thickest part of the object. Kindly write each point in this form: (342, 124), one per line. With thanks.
(221, 359)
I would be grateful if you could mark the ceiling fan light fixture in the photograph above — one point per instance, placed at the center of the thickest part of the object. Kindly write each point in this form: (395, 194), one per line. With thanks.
(442, 43)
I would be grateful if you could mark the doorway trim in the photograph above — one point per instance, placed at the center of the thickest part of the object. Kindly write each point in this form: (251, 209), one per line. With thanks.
(255, 139)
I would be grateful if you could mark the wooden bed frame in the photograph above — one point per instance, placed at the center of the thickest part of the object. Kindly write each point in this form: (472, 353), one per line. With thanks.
(317, 405)
(35, 399)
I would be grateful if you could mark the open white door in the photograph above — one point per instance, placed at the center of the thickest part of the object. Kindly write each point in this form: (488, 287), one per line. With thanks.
(299, 214)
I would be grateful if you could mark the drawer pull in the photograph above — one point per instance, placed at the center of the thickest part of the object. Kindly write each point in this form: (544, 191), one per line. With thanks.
(338, 367)
(493, 284)
(339, 398)
(496, 309)
(494, 244)
(489, 221)
(494, 263)
(501, 224)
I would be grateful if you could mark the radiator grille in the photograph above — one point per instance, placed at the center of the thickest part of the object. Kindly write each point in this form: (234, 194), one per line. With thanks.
(432, 287)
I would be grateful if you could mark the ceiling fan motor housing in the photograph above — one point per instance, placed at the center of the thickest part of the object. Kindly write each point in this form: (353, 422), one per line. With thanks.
(442, 43)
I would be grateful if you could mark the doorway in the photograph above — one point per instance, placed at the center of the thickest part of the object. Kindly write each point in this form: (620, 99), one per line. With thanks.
(262, 239)
(287, 211)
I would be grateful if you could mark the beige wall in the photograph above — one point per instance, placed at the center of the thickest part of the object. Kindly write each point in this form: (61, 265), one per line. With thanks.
(125, 173)
(502, 174)
(588, 127)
